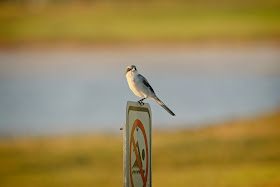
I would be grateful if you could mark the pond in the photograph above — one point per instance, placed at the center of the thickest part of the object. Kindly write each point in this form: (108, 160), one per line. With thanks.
(69, 91)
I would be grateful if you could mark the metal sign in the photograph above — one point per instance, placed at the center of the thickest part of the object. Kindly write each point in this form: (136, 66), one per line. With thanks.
(137, 145)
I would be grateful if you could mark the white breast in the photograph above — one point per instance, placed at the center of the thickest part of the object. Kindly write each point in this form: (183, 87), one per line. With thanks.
(134, 85)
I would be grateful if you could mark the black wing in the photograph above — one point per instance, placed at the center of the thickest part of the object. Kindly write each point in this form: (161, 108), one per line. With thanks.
(147, 83)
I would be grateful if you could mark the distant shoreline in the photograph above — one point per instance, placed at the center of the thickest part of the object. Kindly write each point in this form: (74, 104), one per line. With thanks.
(223, 124)
(53, 46)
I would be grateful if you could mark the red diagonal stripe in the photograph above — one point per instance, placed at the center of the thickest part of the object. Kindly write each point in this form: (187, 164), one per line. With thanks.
(138, 159)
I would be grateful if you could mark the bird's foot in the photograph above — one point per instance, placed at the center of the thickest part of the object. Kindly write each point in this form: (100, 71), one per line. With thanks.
(141, 102)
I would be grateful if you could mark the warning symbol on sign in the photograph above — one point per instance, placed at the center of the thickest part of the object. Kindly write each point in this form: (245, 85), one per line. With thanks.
(138, 167)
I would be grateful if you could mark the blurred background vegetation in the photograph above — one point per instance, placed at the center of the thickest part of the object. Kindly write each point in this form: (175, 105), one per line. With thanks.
(157, 21)
(242, 153)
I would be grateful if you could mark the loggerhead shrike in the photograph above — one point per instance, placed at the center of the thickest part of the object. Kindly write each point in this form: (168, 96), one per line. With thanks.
(141, 87)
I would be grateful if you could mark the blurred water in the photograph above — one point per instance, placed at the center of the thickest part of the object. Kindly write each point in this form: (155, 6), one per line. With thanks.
(62, 92)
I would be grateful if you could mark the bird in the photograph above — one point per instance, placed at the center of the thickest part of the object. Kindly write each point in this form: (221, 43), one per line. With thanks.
(141, 87)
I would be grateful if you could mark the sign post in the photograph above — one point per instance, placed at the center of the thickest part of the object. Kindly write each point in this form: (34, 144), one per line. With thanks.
(137, 145)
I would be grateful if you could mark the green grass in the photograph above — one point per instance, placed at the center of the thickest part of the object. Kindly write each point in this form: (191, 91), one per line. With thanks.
(139, 22)
(241, 153)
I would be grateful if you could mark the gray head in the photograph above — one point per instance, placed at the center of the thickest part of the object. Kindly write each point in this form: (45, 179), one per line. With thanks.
(130, 68)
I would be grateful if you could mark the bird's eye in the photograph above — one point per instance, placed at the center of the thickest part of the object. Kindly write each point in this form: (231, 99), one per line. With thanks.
(128, 69)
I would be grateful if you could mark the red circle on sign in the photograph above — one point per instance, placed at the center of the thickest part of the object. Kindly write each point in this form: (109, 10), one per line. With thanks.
(139, 124)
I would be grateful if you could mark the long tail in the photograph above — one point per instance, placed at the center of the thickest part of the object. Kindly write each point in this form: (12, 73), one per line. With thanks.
(164, 106)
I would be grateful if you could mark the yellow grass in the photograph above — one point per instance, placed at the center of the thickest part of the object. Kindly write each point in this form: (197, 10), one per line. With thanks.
(238, 153)
(137, 22)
